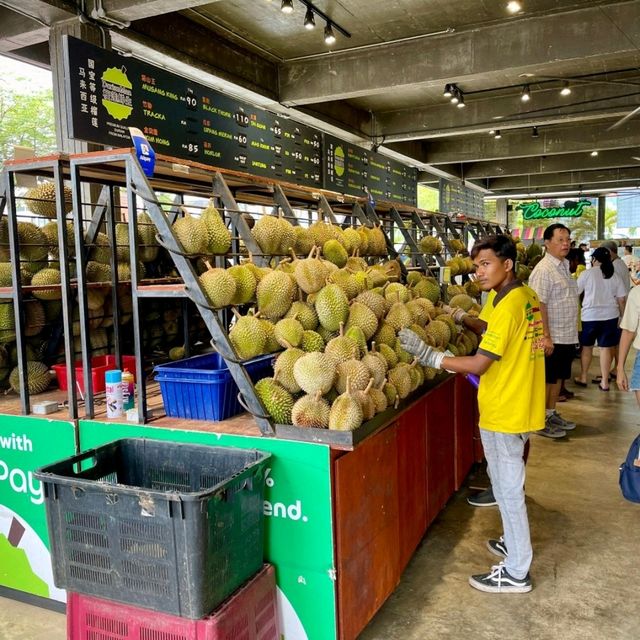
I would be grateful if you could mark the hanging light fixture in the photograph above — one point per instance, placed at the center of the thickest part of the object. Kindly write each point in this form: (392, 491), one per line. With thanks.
(309, 19)
(534, 133)
(526, 93)
(492, 132)
(497, 134)
(286, 6)
(594, 154)
(514, 6)
(448, 90)
(566, 90)
(329, 36)
(460, 104)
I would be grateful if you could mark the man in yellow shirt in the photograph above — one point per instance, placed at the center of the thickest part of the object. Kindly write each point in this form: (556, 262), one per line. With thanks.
(511, 399)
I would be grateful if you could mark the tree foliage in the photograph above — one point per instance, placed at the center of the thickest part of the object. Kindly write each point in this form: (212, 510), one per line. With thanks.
(26, 118)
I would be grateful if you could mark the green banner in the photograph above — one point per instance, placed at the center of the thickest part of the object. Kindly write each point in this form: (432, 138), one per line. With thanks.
(25, 445)
(298, 514)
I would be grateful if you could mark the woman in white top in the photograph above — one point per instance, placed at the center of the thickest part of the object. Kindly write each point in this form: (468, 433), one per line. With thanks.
(602, 305)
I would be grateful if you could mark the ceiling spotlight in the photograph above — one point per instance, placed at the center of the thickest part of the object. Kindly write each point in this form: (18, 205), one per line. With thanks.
(329, 36)
(497, 135)
(460, 104)
(492, 132)
(514, 6)
(594, 154)
(534, 133)
(309, 19)
(526, 93)
(448, 90)
(455, 96)
(286, 6)
(566, 90)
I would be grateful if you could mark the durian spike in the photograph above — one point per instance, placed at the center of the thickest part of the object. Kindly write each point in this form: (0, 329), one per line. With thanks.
(369, 385)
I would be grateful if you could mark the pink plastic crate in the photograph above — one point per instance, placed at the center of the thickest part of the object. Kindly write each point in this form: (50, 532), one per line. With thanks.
(249, 614)
(99, 366)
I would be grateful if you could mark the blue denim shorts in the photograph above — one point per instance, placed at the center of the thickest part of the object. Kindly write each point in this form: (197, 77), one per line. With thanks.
(634, 381)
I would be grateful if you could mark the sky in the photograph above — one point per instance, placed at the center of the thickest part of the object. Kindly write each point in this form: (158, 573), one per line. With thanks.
(22, 76)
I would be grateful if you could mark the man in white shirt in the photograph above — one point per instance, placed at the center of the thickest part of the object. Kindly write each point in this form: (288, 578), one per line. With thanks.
(558, 295)
(627, 258)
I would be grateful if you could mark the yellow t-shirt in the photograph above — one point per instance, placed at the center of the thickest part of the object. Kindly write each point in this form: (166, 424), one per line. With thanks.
(511, 395)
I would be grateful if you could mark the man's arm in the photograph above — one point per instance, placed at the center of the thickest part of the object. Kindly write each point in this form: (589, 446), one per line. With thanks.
(623, 350)
(548, 342)
(476, 364)
(475, 324)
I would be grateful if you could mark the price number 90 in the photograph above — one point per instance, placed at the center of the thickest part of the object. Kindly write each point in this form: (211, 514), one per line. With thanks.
(191, 100)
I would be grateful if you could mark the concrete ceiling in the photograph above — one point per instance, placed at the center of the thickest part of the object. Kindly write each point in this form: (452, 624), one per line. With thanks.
(384, 84)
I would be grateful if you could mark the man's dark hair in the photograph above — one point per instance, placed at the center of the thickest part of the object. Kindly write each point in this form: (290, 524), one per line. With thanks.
(577, 256)
(503, 246)
(549, 231)
(628, 248)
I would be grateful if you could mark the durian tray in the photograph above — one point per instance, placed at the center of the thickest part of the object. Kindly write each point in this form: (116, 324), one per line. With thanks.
(346, 439)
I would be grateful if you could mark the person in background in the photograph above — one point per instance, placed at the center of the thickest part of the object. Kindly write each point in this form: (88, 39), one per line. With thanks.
(602, 306)
(621, 269)
(558, 295)
(510, 363)
(628, 258)
(630, 325)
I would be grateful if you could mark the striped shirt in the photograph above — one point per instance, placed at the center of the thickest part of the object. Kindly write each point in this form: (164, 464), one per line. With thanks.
(552, 282)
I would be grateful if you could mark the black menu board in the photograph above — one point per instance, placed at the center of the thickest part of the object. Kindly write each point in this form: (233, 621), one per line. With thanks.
(455, 197)
(109, 93)
(356, 171)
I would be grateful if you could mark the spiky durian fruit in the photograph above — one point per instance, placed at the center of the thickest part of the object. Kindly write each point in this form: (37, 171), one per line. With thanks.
(38, 378)
(346, 412)
(191, 233)
(43, 278)
(276, 399)
(41, 200)
(218, 236)
(219, 287)
(314, 373)
(332, 307)
(275, 294)
(311, 411)
(248, 337)
(245, 284)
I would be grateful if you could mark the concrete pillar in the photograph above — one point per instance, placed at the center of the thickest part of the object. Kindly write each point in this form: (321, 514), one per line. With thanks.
(89, 33)
(502, 214)
(600, 217)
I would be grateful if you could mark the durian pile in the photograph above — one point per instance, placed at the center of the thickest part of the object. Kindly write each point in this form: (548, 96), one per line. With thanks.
(528, 258)
(335, 322)
(277, 236)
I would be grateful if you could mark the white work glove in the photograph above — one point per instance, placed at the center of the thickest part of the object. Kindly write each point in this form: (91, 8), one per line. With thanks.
(456, 313)
(427, 356)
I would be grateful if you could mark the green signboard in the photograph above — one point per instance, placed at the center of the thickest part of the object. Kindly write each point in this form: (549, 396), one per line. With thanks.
(25, 445)
(298, 513)
(571, 209)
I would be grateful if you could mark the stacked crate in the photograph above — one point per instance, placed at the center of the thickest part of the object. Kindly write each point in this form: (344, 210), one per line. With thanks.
(171, 531)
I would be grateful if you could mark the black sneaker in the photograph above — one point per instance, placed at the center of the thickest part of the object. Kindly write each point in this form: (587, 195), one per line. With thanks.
(498, 547)
(483, 499)
(498, 580)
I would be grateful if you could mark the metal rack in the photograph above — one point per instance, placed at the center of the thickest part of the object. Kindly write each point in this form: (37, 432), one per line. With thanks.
(234, 193)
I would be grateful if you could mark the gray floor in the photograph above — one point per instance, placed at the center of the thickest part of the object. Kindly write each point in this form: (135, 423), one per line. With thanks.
(586, 544)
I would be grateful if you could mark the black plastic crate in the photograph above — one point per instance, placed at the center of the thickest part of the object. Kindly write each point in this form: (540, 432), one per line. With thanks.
(167, 526)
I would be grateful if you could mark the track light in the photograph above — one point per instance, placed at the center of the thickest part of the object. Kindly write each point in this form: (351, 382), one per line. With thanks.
(492, 132)
(329, 36)
(286, 6)
(309, 19)
(460, 104)
(514, 6)
(497, 135)
(526, 93)
(455, 98)
(566, 90)
(448, 90)
(534, 133)
(594, 154)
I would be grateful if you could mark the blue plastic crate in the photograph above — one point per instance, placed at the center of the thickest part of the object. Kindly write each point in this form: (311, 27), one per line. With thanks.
(202, 388)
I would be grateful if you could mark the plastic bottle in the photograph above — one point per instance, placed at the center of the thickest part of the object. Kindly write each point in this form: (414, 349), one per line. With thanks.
(128, 390)
(113, 388)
